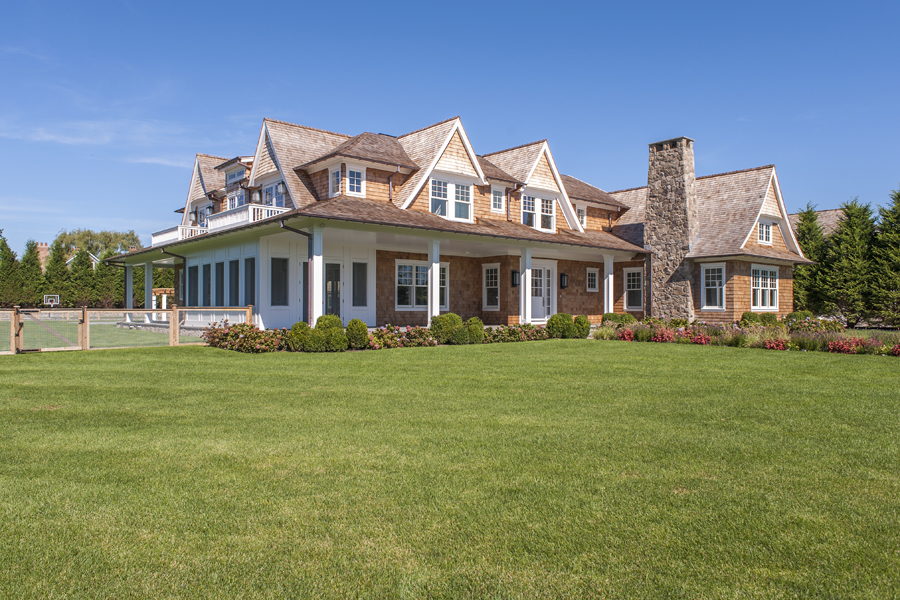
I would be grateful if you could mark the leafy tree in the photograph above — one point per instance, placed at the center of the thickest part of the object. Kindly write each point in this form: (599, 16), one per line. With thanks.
(886, 263)
(97, 242)
(56, 275)
(31, 276)
(109, 284)
(10, 282)
(807, 295)
(81, 280)
(848, 263)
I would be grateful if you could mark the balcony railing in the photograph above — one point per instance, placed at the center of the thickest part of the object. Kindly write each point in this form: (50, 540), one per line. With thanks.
(242, 215)
(189, 231)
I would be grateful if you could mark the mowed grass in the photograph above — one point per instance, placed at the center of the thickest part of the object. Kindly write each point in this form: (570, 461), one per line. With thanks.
(576, 468)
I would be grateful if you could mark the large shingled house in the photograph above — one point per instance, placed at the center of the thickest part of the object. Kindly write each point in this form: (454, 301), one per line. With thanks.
(399, 229)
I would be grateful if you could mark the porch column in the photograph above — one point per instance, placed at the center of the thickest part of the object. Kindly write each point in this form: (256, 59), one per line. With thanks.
(317, 277)
(434, 279)
(148, 290)
(525, 285)
(129, 287)
(609, 301)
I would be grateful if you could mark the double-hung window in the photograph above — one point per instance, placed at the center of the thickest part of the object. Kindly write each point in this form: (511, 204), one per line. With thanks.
(356, 181)
(463, 202)
(273, 195)
(491, 285)
(236, 199)
(444, 192)
(334, 182)
(543, 220)
(439, 197)
(412, 285)
(634, 288)
(546, 214)
(528, 211)
(765, 233)
(713, 287)
(497, 200)
(764, 287)
(593, 280)
(581, 213)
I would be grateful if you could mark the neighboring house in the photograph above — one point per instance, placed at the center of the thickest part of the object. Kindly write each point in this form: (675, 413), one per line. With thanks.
(94, 259)
(828, 220)
(399, 229)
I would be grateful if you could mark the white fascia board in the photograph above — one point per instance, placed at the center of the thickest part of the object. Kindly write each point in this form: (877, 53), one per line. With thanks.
(753, 228)
(263, 132)
(187, 203)
(566, 204)
(437, 157)
(785, 222)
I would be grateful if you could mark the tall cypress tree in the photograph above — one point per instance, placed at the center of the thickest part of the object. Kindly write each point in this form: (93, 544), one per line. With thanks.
(848, 264)
(10, 281)
(31, 276)
(81, 279)
(107, 283)
(56, 275)
(807, 294)
(886, 263)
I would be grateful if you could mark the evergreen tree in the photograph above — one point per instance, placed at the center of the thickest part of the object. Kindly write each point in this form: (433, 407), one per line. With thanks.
(807, 294)
(886, 263)
(31, 276)
(10, 281)
(137, 287)
(56, 275)
(108, 283)
(81, 280)
(848, 264)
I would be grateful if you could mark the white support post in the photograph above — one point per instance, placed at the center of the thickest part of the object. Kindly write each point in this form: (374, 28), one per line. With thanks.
(148, 289)
(525, 285)
(129, 287)
(317, 277)
(609, 301)
(434, 279)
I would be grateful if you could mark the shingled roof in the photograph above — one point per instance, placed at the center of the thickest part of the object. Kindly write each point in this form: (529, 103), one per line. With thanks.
(211, 179)
(518, 161)
(492, 171)
(422, 146)
(374, 147)
(579, 190)
(829, 220)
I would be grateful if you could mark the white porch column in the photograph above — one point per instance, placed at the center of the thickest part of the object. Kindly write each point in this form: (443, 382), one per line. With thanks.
(609, 301)
(164, 296)
(129, 287)
(525, 285)
(434, 279)
(317, 277)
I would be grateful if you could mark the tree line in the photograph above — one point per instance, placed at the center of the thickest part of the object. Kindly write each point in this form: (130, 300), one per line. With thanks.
(857, 272)
(23, 282)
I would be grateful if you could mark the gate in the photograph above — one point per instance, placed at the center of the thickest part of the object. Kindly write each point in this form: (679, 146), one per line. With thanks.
(46, 330)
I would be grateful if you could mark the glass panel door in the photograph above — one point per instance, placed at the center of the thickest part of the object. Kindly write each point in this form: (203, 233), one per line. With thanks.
(537, 293)
(333, 289)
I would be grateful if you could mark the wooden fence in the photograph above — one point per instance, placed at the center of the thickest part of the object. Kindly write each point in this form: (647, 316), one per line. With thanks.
(53, 329)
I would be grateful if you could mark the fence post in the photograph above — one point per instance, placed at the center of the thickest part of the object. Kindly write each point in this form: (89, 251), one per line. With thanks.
(15, 340)
(176, 323)
(84, 328)
(173, 326)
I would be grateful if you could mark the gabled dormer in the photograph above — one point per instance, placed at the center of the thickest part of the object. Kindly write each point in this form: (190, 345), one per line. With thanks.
(237, 174)
(205, 182)
(772, 228)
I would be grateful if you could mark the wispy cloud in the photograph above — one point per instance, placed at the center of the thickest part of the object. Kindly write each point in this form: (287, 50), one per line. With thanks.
(161, 160)
(98, 132)
(24, 52)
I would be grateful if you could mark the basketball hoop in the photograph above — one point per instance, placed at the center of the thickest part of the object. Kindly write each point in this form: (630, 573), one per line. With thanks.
(51, 300)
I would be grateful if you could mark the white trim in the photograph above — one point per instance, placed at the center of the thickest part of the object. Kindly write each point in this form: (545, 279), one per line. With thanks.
(579, 206)
(760, 225)
(587, 280)
(703, 268)
(356, 169)
(538, 196)
(331, 191)
(502, 191)
(421, 307)
(784, 224)
(452, 182)
(484, 287)
(768, 268)
(568, 211)
(625, 306)
(473, 158)
(554, 279)
(263, 136)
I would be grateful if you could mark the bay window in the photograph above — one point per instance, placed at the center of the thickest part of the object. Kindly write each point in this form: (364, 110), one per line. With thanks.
(334, 188)
(356, 181)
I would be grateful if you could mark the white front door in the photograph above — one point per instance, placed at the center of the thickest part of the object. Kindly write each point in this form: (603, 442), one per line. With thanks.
(540, 293)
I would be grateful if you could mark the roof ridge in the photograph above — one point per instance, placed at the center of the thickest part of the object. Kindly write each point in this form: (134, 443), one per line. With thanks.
(212, 156)
(738, 171)
(428, 127)
(640, 187)
(516, 147)
(306, 127)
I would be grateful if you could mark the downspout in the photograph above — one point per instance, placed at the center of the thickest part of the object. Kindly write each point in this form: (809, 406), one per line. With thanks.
(391, 184)
(309, 269)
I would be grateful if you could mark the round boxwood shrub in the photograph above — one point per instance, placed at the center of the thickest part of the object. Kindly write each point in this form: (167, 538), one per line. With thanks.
(357, 334)
(459, 335)
(329, 322)
(750, 318)
(442, 325)
(475, 327)
(560, 325)
(582, 327)
(799, 315)
(297, 336)
(325, 340)
(768, 319)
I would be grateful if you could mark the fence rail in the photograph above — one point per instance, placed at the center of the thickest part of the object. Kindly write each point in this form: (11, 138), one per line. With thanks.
(53, 329)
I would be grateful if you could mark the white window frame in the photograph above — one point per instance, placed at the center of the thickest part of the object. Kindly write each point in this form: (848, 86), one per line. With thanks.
(539, 198)
(767, 305)
(703, 269)
(272, 188)
(452, 184)
(362, 181)
(583, 208)
(587, 280)
(235, 176)
(764, 232)
(445, 267)
(237, 199)
(625, 289)
(334, 190)
(502, 193)
(484, 286)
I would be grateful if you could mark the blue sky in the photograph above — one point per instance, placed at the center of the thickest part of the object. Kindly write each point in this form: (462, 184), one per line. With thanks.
(103, 107)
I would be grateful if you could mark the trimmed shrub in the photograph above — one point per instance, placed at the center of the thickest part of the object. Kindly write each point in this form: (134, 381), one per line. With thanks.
(768, 319)
(442, 326)
(582, 327)
(243, 337)
(515, 333)
(621, 319)
(297, 336)
(561, 325)
(476, 330)
(459, 335)
(749, 319)
(357, 334)
(335, 340)
(798, 315)
(329, 322)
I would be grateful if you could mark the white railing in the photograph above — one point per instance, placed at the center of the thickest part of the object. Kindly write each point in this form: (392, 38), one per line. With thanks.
(242, 215)
(185, 232)
(164, 236)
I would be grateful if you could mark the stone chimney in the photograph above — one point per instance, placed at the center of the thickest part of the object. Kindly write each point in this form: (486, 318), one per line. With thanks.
(671, 227)
(43, 251)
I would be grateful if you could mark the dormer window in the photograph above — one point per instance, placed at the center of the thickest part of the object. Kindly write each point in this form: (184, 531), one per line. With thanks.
(234, 177)
(273, 195)
(439, 197)
(236, 199)
(765, 233)
(463, 202)
(356, 181)
(335, 183)
(581, 213)
(547, 214)
(497, 200)
(528, 211)
(461, 193)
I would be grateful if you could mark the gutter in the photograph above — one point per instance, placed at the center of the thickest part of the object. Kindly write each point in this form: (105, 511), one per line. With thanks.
(309, 269)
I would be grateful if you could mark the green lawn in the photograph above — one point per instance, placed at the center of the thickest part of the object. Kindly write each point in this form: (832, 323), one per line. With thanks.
(570, 468)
